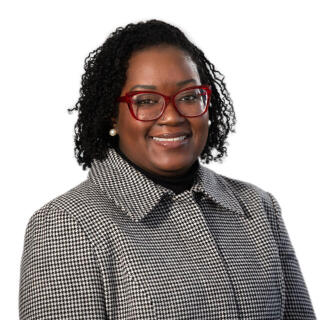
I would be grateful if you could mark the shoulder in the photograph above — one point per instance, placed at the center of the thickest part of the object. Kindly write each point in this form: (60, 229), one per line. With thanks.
(64, 204)
(247, 191)
(82, 210)
(51, 228)
(240, 185)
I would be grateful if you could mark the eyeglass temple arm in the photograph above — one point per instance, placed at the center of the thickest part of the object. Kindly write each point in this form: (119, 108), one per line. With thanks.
(122, 99)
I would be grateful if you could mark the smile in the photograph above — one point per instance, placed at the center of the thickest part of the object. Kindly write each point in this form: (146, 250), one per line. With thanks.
(170, 139)
(171, 143)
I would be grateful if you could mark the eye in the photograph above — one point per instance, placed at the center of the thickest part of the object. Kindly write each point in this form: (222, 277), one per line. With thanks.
(189, 98)
(146, 99)
(145, 102)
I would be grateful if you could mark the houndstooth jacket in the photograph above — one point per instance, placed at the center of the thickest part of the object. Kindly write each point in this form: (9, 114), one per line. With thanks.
(119, 246)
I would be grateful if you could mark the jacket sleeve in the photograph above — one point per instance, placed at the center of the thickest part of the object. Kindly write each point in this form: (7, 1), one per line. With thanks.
(297, 300)
(59, 273)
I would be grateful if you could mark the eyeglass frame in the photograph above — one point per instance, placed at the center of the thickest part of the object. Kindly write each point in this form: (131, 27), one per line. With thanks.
(167, 99)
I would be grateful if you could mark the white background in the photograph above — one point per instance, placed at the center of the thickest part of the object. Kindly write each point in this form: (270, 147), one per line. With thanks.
(268, 52)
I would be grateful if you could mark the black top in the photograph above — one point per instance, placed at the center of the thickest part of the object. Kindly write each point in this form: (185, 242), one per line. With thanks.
(176, 184)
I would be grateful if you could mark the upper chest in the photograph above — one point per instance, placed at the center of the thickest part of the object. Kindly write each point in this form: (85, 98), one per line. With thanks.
(188, 258)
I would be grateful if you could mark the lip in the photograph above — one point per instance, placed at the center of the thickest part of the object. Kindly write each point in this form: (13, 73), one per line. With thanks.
(172, 135)
(172, 144)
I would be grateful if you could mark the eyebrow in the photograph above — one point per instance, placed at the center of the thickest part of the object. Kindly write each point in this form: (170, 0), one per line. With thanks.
(145, 86)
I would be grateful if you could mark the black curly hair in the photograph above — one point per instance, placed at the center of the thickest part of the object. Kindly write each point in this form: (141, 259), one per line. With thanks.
(105, 76)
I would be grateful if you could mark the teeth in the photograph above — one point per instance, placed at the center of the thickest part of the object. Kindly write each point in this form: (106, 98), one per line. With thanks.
(170, 139)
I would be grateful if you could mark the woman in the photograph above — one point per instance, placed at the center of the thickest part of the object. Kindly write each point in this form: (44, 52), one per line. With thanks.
(151, 233)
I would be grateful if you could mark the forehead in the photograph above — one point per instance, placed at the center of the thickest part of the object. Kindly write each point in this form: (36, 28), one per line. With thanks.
(160, 65)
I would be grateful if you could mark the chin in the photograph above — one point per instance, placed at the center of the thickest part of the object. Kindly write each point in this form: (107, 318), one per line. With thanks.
(174, 167)
(172, 163)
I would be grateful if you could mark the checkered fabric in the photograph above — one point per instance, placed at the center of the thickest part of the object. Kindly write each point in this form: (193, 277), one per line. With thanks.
(119, 246)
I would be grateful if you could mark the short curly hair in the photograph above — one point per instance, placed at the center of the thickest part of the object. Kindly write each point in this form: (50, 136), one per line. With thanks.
(105, 76)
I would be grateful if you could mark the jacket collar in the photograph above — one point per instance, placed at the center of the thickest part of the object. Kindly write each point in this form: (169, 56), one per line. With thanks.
(137, 195)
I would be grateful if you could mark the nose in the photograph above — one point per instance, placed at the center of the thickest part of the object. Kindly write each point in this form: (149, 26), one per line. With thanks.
(170, 115)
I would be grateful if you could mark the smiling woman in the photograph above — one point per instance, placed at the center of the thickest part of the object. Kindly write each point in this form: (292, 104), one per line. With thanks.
(152, 233)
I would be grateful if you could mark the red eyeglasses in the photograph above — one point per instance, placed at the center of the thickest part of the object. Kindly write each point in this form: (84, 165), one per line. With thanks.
(150, 105)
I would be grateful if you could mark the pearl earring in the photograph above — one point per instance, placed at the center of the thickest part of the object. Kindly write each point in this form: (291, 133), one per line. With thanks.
(209, 122)
(112, 132)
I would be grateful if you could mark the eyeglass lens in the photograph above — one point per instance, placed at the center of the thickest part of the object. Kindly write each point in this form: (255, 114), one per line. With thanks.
(148, 106)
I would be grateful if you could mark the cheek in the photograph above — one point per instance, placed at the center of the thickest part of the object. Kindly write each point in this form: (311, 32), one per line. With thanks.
(132, 130)
(200, 129)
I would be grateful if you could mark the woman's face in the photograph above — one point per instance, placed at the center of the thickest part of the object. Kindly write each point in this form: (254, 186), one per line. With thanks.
(165, 69)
